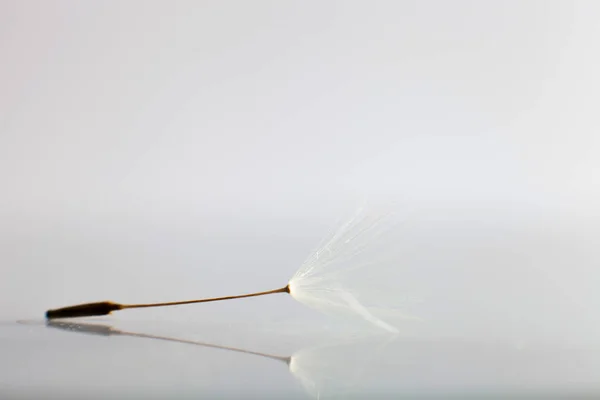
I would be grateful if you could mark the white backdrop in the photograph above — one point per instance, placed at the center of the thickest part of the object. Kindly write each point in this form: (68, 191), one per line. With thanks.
(162, 150)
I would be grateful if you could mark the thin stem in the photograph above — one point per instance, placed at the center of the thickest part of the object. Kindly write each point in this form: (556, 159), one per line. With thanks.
(178, 303)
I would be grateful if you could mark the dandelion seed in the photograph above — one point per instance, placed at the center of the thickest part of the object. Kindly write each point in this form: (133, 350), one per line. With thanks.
(328, 281)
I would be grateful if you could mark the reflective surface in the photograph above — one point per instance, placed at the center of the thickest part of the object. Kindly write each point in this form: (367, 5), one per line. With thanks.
(144, 359)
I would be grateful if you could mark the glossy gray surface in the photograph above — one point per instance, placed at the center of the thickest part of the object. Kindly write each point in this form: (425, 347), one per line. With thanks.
(150, 360)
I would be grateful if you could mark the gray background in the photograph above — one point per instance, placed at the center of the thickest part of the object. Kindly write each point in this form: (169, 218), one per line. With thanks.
(156, 151)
